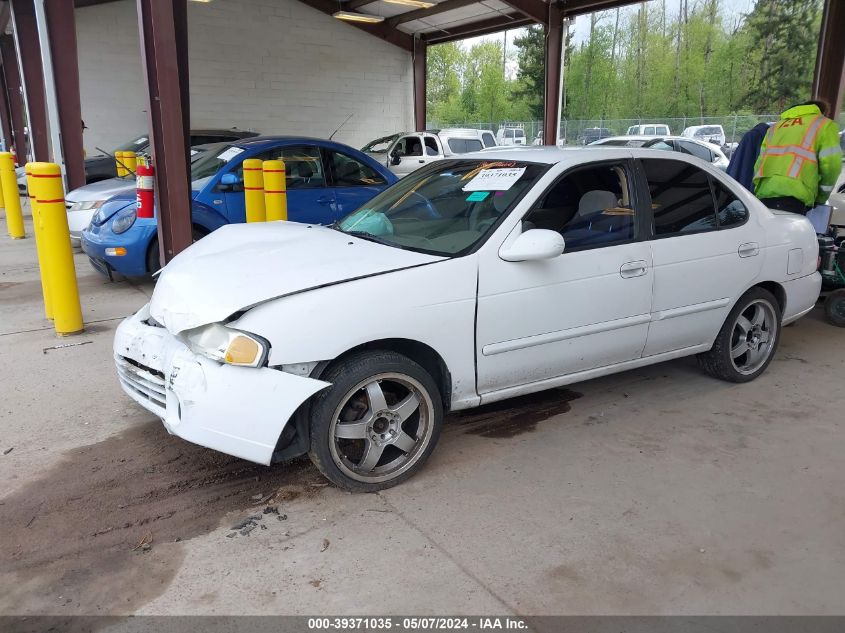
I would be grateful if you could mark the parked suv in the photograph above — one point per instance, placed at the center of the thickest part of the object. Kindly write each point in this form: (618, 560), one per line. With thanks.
(710, 133)
(592, 134)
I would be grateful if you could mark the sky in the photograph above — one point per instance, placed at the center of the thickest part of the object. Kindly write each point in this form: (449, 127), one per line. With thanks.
(581, 27)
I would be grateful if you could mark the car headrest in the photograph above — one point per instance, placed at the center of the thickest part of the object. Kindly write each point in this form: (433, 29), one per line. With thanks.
(596, 200)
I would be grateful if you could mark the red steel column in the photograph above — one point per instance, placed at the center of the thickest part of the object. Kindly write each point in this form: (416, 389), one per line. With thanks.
(33, 77)
(829, 78)
(5, 116)
(13, 87)
(164, 52)
(420, 68)
(61, 26)
(553, 52)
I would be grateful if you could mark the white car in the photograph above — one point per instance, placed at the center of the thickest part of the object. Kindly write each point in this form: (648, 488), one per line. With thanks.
(705, 151)
(472, 280)
(709, 133)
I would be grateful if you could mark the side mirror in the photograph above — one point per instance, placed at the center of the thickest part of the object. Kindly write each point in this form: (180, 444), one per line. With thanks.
(533, 245)
(230, 182)
(395, 158)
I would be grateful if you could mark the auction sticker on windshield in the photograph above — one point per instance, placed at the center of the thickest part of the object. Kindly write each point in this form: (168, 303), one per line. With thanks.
(495, 179)
(230, 153)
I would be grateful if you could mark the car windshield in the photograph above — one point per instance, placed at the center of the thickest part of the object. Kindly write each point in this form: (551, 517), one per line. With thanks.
(710, 129)
(380, 145)
(445, 209)
(210, 161)
(137, 144)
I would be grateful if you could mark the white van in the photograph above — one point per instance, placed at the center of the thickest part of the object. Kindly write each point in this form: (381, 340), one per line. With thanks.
(510, 135)
(649, 129)
(411, 150)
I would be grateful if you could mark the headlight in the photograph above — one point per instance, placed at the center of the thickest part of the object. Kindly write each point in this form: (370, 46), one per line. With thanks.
(123, 220)
(86, 205)
(227, 345)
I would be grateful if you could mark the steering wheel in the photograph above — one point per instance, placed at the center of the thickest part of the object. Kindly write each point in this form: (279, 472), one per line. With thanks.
(424, 204)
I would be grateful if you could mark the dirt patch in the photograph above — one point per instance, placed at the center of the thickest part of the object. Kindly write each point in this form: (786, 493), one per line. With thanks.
(73, 541)
(513, 417)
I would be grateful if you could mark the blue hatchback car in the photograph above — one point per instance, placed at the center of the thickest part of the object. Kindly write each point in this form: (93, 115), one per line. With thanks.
(325, 182)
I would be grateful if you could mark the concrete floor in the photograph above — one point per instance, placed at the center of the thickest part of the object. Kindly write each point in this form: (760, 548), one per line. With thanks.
(659, 491)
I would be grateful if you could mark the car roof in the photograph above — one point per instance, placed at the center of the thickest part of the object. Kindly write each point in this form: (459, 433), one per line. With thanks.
(233, 133)
(552, 155)
(258, 142)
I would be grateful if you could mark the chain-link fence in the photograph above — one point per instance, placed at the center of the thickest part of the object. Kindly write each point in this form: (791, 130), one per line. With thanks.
(580, 131)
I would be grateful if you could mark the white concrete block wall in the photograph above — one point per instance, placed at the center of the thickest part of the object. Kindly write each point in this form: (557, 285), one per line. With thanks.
(274, 66)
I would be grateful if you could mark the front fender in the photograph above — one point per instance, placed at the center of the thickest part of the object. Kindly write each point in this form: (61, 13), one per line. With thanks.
(432, 304)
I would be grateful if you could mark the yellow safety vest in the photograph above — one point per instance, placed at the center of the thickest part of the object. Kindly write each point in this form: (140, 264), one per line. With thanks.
(800, 157)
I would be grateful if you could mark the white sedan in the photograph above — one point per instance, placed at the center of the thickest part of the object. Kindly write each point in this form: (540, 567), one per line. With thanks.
(470, 281)
(709, 152)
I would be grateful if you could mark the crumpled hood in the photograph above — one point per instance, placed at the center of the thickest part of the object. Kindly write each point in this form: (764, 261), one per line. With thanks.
(241, 265)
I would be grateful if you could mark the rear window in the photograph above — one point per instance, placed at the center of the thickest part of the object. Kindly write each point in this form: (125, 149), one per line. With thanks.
(464, 145)
(520, 134)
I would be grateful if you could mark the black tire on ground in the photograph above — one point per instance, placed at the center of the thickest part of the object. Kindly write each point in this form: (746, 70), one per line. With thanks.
(719, 361)
(349, 402)
(154, 257)
(834, 308)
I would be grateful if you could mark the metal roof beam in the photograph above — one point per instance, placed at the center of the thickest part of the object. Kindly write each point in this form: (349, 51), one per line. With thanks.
(482, 27)
(537, 10)
(417, 14)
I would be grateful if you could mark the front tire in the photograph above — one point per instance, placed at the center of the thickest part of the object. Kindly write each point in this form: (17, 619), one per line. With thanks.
(748, 339)
(834, 308)
(377, 424)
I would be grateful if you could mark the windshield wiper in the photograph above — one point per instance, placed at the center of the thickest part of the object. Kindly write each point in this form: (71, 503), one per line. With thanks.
(372, 238)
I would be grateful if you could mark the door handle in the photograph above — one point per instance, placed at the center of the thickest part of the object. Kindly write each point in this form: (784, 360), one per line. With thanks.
(748, 249)
(324, 200)
(633, 269)
(421, 160)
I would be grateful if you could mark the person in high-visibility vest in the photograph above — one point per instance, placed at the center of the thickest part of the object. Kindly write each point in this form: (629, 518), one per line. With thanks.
(800, 159)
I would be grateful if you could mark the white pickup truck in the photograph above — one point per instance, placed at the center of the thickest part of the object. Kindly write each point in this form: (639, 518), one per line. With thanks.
(408, 151)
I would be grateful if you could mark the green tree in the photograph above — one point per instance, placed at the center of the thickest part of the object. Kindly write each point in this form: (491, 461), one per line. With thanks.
(531, 72)
(783, 35)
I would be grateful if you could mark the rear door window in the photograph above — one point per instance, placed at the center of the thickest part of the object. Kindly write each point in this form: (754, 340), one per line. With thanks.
(731, 211)
(695, 149)
(681, 198)
(350, 172)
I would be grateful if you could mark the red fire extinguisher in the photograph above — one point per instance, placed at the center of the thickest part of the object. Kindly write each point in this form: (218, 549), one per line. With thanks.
(145, 194)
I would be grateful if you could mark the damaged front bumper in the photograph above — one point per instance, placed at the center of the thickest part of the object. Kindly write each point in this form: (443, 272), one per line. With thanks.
(240, 411)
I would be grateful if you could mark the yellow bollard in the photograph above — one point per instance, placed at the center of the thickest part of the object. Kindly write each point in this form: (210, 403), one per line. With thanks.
(275, 190)
(119, 162)
(254, 191)
(130, 159)
(14, 216)
(32, 187)
(61, 274)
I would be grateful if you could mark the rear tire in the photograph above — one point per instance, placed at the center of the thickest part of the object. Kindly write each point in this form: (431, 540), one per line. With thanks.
(377, 424)
(748, 339)
(834, 308)
(154, 257)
